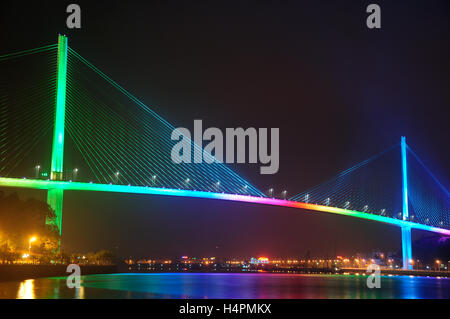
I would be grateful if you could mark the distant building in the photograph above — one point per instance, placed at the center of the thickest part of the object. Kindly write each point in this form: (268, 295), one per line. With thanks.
(260, 260)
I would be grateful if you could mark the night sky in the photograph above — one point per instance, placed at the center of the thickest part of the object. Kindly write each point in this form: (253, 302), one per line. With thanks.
(338, 91)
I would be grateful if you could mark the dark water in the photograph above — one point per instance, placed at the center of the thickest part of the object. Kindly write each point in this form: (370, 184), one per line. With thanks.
(188, 285)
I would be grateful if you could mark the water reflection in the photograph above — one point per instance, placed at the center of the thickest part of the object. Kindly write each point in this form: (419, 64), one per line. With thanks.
(245, 286)
(79, 293)
(26, 290)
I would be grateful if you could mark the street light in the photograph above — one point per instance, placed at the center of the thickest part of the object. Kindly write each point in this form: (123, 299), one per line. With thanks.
(38, 167)
(438, 264)
(32, 239)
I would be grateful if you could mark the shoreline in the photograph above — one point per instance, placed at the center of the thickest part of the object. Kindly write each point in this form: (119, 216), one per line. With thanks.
(24, 272)
(14, 272)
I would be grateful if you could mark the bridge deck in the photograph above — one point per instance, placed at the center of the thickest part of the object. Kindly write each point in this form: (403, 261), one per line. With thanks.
(77, 186)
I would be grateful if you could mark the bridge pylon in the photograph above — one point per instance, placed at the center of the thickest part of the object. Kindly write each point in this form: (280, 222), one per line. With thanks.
(55, 196)
(406, 230)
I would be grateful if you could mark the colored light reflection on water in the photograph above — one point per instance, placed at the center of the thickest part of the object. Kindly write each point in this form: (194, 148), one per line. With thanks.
(215, 285)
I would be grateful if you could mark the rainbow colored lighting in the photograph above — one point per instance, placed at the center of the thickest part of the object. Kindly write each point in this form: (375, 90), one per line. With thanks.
(77, 186)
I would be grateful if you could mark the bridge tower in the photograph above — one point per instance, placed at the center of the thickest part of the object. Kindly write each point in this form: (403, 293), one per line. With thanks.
(406, 230)
(55, 195)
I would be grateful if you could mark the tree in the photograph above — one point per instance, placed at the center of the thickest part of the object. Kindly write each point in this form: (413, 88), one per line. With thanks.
(20, 219)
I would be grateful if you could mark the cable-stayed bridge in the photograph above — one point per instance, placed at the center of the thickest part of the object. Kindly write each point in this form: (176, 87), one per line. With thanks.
(88, 133)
